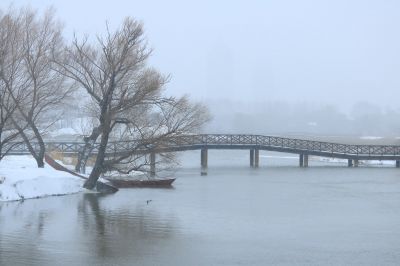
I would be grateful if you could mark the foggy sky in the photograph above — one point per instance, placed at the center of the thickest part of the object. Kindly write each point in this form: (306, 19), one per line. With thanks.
(339, 52)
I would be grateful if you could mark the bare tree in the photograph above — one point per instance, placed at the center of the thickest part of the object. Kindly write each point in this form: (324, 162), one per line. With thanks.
(9, 67)
(126, 95)
(29, 76)
(152, 133)
(8, 134)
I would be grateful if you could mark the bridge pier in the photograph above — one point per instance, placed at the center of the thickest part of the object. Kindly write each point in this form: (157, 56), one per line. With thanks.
(252, 157)
(356, 162)
(257, 158)
(204, 161)
(397, 163)
(303, 160)
(305, 164)
(349, 162)
(152, 164)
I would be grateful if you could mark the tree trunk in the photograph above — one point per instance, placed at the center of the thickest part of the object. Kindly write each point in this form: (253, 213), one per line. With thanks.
(84, 154)
(40, 162)
(98, 166)
(42, 149)
(1, 144)
(38, 156)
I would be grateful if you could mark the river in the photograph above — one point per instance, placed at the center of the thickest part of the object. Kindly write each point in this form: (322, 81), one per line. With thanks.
(279, 214)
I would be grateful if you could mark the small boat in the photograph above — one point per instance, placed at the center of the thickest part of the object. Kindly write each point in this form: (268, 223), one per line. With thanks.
(127, 183)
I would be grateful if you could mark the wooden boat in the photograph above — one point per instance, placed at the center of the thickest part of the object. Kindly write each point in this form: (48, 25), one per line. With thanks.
(127, 183)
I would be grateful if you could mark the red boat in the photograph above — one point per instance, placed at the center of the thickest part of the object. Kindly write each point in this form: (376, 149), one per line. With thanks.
(127, 183)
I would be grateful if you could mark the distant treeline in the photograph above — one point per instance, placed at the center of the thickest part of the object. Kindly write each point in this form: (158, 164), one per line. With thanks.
(364, 119)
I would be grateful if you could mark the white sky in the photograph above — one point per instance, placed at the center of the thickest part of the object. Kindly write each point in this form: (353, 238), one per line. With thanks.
(339, 52)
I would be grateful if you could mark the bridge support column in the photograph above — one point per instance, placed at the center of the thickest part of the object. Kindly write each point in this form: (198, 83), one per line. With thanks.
(256, 158)
(152, 164)
(252, 158)
(204, 161)
(356, 162)
(305, 164)
(301, 160)
(397, 163)
(349, 162)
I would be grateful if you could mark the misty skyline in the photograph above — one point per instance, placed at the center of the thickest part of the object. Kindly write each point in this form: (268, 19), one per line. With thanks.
(319, 52)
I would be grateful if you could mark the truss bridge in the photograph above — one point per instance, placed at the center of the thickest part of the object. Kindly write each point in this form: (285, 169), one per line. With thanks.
(253, 143)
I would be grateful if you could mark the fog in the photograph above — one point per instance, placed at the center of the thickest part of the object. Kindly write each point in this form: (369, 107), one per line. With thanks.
(303, 119)
(267, 66)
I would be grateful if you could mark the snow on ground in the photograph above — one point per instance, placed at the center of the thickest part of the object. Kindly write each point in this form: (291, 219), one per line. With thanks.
(65, 131)
(279, 157)
(371, 137)
(333, 160)
(64, 134)
(21, 179)
(362, 162)
(139, 175)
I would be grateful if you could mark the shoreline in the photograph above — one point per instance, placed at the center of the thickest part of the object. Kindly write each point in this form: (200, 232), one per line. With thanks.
(21, 180)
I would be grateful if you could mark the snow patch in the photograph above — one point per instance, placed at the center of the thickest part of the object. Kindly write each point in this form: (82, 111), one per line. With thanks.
(65, 131)
(361, 162)
(21, 179)
(332, 160)
(370, 137)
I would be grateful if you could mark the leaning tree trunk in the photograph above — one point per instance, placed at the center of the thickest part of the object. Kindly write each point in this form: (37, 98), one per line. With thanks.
(98, 167)
(37, 155)
(86, 150)
(42, 149)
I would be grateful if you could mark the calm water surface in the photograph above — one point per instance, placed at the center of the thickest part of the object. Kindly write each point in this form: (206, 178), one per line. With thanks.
(278, 214)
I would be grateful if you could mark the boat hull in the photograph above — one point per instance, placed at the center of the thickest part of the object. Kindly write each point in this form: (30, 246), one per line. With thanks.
(123, 183)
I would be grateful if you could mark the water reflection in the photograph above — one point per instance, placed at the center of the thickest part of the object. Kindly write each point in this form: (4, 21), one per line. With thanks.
(21, 228)
(39, 232)
(268, 216)
(121, 231)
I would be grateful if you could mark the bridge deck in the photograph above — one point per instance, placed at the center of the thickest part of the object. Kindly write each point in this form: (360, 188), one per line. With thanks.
(235, 141)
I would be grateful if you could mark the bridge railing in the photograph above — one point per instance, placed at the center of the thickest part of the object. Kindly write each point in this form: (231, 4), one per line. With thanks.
(289, 143)
(209, 140)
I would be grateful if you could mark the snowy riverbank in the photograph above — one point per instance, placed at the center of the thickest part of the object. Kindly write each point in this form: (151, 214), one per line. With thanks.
(362, 162)
(21, 179)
